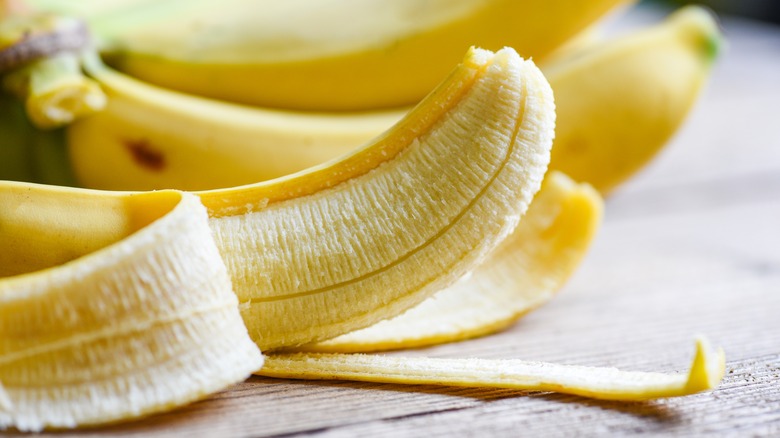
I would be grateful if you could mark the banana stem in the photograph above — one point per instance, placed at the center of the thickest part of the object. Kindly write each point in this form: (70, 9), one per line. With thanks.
(55, 90)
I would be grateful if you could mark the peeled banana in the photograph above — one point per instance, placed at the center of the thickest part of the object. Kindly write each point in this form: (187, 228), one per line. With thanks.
(619, 101)
(405, 215)
(337, 55)
(98, 324)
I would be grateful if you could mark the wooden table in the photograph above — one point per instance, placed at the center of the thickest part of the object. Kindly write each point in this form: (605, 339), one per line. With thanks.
(691, 245)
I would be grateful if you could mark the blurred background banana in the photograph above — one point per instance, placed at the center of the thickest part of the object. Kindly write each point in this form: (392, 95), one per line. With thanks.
(323, 55)
(618, 101)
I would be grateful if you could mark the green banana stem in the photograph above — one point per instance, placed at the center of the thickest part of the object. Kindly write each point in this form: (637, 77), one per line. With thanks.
(55, 90)
(29, 154)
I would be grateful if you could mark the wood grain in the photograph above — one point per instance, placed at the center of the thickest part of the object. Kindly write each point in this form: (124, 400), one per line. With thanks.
(692, 245)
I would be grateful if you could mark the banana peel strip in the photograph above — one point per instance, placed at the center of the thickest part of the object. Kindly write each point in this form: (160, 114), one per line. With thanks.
(524, 272)
(705, 373)
(141, 326)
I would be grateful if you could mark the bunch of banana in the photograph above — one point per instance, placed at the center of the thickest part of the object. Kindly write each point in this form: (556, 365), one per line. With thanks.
(609, 126)
(114, 305)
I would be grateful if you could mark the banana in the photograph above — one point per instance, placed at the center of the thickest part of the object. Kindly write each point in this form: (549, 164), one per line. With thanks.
(149, 138)
(645, 84)
(324, 55)
(523, 273)
(97, 327)
(617, 108)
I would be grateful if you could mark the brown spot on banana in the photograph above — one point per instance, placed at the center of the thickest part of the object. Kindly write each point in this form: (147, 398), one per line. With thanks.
(145, 155)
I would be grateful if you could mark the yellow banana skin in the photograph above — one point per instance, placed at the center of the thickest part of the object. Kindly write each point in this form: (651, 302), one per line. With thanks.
(132, 317)
(608, 96)
(151, 138)
(644, 86)
(363, 238)
(326, 58)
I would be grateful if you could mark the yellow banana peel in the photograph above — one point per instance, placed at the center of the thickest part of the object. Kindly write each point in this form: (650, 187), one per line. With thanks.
(706, 372)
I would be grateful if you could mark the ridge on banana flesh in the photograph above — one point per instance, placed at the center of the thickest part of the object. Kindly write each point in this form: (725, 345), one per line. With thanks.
(307, 55)
(524, 272)
(618, 103)
(97, 327)
(362, 238)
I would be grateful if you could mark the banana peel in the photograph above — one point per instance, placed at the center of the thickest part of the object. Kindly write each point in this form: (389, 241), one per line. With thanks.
(707, 370)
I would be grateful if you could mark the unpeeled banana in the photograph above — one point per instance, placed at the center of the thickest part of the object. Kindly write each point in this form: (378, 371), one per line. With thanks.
(619, 101)
(336, 55)
(644, 85)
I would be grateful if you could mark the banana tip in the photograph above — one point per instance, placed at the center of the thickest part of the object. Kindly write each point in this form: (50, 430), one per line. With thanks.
(708, 368)
(703, 24)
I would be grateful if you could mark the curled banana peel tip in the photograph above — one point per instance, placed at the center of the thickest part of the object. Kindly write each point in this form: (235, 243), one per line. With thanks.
(117, 305)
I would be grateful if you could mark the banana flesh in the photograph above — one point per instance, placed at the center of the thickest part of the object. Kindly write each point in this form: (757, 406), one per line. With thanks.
(136, 322)
(617, 107)
(706, 372)
(325, 59)
(523, 273)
